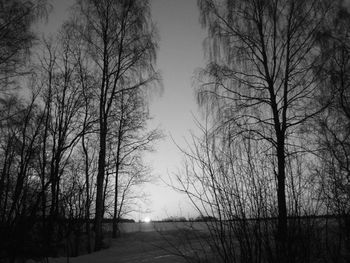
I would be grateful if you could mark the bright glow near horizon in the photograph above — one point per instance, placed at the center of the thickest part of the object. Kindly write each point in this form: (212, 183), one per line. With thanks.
(147, 219)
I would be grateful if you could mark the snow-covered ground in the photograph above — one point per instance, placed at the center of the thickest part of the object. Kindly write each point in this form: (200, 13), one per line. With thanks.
(151, 246)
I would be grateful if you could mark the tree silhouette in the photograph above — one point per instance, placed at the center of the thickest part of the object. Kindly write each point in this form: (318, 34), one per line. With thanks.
(261, 76)
(120, 40)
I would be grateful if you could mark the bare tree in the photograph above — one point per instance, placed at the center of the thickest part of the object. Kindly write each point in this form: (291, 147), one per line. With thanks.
(333, 126)
(120, 39)
(86, 82)
(334, 123)
(63, 100)
(261, 76)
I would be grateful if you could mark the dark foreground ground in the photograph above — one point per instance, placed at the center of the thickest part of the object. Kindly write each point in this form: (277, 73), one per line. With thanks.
(164, 247)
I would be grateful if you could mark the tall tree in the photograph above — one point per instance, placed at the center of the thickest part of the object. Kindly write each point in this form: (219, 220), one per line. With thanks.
(261, 75)
(333, 126)
(121, 43)
(62, 94)
(87, 82)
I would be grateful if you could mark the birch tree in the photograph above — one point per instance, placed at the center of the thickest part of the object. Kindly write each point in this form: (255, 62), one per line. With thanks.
(261, 78)
(121, 43)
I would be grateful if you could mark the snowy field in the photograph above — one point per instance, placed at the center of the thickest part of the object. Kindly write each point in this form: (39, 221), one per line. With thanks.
(147, 247)
(157, 226)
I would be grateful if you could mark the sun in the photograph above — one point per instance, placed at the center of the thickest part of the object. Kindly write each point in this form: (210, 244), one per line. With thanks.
(147, 219)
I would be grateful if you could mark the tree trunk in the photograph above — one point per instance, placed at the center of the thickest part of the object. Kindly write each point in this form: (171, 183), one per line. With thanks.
(105, 190)
(282, 233)
(115, 213)
(87, 207)
(117, 168)
(100, 188)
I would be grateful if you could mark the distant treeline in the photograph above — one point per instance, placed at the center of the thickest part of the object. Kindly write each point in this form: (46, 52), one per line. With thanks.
(191, 219)
(213, 218)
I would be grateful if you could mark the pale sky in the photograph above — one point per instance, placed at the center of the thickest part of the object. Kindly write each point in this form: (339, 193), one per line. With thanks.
(180, 54)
